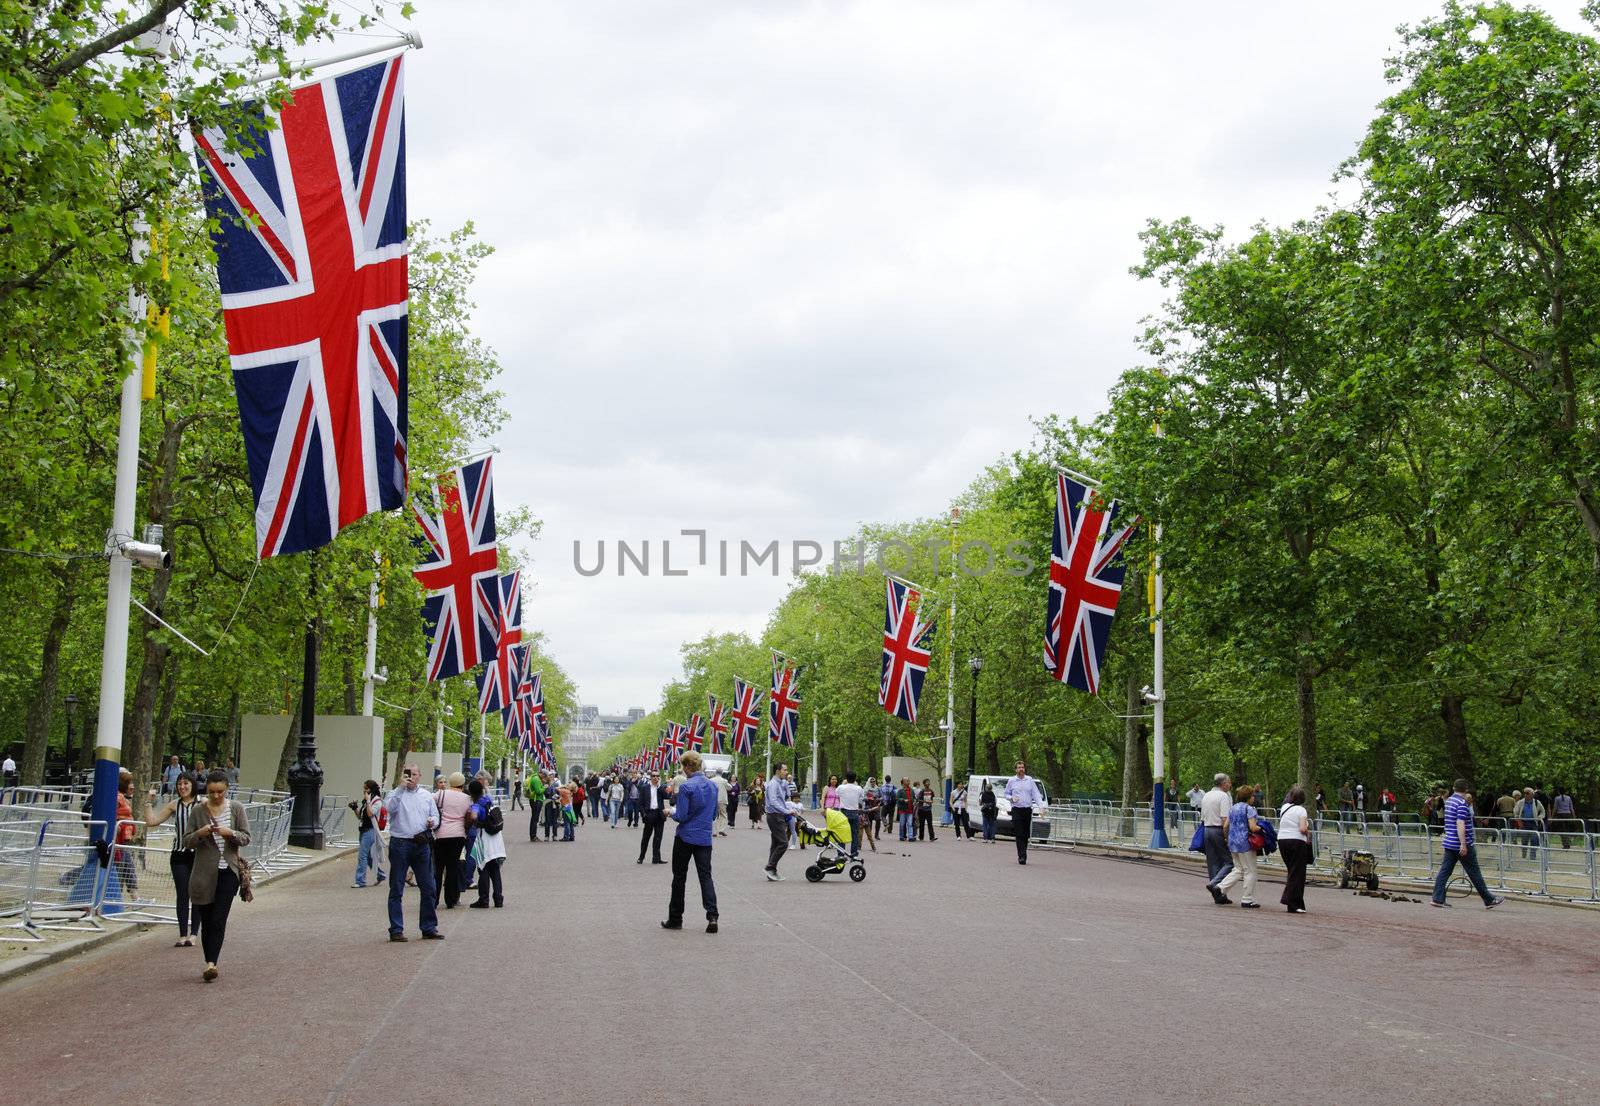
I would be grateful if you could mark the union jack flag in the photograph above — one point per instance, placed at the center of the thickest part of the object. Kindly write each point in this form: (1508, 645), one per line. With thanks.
(497, 683)
(462, 565)
(746, 716)
(1086, 572)
(716, 724)
(784, 703)
(907, 649)
(672, 743)
(694, 733)
(310, 237)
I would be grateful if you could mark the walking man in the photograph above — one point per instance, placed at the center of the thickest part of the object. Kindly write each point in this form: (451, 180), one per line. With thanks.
(719, 825)
(412, 820)
(1459, 848)
(535, 803)
(776, 797)
(516, 790)
(694, 808)
(1023, 793)
(650, 801)
(850, 795)
(1214, 808)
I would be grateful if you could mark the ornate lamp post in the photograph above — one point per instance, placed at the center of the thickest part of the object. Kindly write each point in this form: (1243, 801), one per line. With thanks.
(305, 774)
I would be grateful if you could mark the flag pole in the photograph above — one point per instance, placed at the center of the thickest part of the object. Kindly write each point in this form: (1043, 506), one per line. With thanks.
(407, 40)
(1158, 802)
(369, 677)
(950, 680)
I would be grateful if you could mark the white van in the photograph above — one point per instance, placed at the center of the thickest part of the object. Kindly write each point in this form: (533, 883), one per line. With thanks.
(1039, 830)
(716, 762)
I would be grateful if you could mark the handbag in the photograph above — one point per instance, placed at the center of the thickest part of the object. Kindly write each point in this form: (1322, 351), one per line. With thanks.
(427, 835)
(247, 882)
(1258, 840)
(1197, 843)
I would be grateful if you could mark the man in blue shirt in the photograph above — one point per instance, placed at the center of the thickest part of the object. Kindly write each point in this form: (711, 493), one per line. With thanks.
(411, 816)
(1458, 848)
(1023, 793)
(694, 809)
(776, 798)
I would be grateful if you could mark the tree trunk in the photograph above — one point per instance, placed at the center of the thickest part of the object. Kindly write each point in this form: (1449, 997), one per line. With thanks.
(349, 685)
(1239, 771)
(36, 731)
(162, 732)
(1383, 766)
(1457, 752)
(232, 732)
(1306, 701)
(991, 757)
(291, 747)
(141, 718)
(405, 749)
(1138, 778)
(1058, 770)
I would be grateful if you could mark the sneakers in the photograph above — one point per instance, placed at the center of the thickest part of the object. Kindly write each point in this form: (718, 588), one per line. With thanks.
(1494, 902)
(773, 876)
(1250, 905)
(1443, 905)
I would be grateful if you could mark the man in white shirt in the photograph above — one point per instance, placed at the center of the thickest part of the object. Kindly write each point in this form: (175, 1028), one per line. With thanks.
(1195, 796)
(651, 803)
(1022, 791)
(719, 821)
(851, 794)
(9, 768)
(1214, 807)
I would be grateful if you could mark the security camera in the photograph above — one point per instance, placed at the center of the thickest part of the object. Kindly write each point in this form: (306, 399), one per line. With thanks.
(1148, 694)
(145, 554)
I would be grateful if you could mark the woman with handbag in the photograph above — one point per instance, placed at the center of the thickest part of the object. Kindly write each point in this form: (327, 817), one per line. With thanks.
(181, 810)
(1294, 841)
(1242, 825)
(220, 829)
(450, 840)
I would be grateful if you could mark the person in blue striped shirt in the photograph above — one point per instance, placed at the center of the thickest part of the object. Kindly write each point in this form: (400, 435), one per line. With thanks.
(1458, 848)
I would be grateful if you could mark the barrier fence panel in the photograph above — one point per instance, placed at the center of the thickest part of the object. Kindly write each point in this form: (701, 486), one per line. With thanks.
(139, 887)
(334, 816)
(67, 878)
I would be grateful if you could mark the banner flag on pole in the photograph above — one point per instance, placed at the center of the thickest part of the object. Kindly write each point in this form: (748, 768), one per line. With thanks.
(746, 718)
(1086, 573)
(310, 237)
(907, 649)
(497, 684)
(461, 567)
(716, 724)
(785, 705)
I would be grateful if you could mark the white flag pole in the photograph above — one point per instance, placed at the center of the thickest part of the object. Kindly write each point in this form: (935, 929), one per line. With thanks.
(950, 679)
(409, 40)
(370, 676)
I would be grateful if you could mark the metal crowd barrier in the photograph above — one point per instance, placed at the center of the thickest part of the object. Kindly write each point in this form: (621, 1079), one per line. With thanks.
(1559, 863)
(334, 818)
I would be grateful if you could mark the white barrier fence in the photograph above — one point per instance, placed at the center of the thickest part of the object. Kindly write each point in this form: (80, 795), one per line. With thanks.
(1558, 863)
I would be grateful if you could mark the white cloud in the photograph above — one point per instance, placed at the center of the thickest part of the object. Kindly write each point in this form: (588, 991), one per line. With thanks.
(776, 269)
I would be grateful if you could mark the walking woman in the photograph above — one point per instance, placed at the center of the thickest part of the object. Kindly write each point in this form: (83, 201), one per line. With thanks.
(830, 794)
(1294, 842)
(181, 810)
(988, 810)
(491, 844)
(757, 801)
(1241, 824)
(451, 838)
(871, 812)
(219, 831)
(370, 812)
(958, 812)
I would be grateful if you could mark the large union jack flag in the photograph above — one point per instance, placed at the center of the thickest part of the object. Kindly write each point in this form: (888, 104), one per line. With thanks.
(907, 649)
(513, 717)
(497, 683)
(461, 564)
(716, 724)
(694, 734)
(1086, 572)
(310, 236)
(785, 712)
(746, 716)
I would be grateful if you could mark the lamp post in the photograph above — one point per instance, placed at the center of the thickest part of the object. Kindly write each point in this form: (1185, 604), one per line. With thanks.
(305, 774)
(71, 702)
(976, 664)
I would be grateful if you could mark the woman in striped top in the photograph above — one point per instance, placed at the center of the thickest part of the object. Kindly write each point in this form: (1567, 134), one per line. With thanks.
(181, 810)
(220, 831)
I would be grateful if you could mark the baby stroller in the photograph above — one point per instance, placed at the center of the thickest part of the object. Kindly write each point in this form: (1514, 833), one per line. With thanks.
(833, 838)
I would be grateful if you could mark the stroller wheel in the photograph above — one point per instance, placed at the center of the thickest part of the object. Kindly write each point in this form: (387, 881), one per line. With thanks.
(858, 872)
(814, 874)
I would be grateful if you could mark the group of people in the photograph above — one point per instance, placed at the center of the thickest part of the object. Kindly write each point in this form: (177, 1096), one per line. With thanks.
(175, 768)
(1234, 834)
(444, 842)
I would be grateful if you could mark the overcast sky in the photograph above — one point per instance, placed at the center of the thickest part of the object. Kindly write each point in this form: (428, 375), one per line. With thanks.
(775, 269)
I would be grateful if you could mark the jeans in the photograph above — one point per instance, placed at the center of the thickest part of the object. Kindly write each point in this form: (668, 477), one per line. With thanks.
(1022, 830)
(988, 825)
(1469, 864)
(468, 866)
(616, 813)
(1244, 869)
(682, 851)
(908, 829)
(569, 825)
(214, 915)
(778, 826)
(605, 811)
(490, 875)
(371, 845)
(408, 855)
(182, 865)
(1218, 859)
(854, 818)
(594, 806)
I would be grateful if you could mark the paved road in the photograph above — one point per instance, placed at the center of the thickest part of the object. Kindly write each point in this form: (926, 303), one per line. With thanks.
(950, 975)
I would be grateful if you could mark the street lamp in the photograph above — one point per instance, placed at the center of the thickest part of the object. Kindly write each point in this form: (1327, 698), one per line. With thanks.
(71, 702)
(976, 665)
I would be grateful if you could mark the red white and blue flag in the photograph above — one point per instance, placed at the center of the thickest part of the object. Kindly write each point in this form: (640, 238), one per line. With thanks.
(672, 743)
(1086, 572)
(497, 684)
(907, 649)
(461, 566)
(746, 717)
(694, 734)
(716, 724)
(310, 237)
(785, 705)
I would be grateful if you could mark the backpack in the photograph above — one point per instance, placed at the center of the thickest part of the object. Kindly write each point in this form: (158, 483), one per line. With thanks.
(383, 817)
(495, 820)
